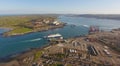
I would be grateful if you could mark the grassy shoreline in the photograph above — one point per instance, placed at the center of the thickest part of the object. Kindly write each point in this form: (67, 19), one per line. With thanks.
(22, 31)
(20, 25)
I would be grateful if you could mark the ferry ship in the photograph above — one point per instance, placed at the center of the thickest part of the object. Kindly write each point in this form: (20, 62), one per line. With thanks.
(56, 36)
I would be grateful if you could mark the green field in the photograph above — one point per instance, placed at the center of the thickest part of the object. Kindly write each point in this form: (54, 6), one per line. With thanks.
(20, 30)
(20, 24)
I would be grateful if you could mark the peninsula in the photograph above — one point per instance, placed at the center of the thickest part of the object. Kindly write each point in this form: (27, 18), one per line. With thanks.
(20, 25)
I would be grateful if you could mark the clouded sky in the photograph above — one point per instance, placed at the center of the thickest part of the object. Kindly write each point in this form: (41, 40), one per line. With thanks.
(59, 6)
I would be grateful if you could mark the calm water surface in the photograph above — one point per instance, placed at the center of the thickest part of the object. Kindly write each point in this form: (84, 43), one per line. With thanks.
(12, 45)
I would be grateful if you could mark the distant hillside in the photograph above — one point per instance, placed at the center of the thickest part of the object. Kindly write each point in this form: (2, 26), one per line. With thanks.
(101, 16)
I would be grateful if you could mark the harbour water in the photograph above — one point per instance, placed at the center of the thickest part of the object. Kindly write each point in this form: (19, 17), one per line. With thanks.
(16, 44)
(2, 30)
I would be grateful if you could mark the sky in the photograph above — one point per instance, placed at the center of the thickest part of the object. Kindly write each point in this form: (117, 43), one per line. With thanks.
(60, 6)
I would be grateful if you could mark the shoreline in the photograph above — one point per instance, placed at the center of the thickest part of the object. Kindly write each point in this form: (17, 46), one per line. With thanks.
(23, 54)
(47, 45)
(29, 49)
(51, 28)
(19, 54)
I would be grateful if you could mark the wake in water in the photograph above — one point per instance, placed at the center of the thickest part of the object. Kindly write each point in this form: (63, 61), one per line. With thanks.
(38, 39)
